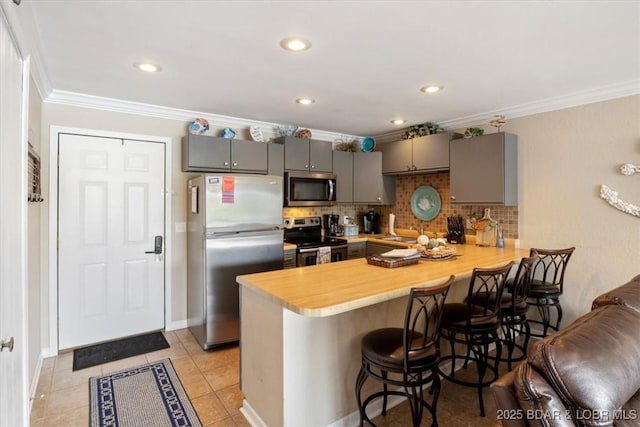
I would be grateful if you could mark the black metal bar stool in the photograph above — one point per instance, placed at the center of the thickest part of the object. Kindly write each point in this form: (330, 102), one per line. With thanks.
(406, 358)
(475, 323)
(547, 285)
(513, 313)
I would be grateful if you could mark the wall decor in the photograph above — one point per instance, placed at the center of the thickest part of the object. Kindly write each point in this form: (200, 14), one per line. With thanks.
(611, 195)
(33, 167)
(498, 121)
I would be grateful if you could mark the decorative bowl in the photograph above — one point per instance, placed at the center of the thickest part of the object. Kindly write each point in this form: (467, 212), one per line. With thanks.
(256, 134)
(367, 144)
(198, 126)
(228, 133)
(304, 134)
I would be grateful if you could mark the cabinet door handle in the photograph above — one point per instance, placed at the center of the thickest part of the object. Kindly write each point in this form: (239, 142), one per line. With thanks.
(408, 167)
(379, 199)
(453, 197)
(235, 164)
(313, 166)
(306, 166)
(226, 163)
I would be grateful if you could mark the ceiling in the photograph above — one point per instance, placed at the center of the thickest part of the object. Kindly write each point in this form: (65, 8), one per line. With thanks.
(366, 64)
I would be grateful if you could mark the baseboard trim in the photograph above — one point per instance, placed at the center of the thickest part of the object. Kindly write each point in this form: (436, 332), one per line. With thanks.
(251, 415)
(175, 325)
(33, 388)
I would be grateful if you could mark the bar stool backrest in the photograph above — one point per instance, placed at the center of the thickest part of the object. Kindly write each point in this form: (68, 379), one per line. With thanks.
(550, 266)
(485, 291)
(522, 279)
(422, 322)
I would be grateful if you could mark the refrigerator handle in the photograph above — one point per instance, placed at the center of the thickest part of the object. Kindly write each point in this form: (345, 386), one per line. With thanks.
(233, 233)
(330, 190)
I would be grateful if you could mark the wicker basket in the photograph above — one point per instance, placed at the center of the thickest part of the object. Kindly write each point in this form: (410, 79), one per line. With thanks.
(390, 262)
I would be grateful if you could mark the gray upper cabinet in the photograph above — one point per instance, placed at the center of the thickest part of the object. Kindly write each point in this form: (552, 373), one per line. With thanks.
(201, 153)
(428, 153)
(484, 170)
(343, 170)
(306, 154)
(369, 185)
(276, 159)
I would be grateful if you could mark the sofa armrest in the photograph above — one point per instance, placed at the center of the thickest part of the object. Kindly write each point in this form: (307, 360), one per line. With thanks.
(508, 411)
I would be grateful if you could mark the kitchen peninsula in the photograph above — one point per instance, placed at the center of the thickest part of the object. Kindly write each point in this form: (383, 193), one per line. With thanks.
(301, 330)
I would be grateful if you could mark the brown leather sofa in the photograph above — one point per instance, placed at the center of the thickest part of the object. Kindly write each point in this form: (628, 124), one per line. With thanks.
(587, 374)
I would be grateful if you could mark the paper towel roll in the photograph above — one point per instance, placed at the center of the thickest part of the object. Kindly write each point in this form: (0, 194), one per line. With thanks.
(392, 220)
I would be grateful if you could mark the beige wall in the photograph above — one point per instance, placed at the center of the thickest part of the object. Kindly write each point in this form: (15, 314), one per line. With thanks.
(564, 157)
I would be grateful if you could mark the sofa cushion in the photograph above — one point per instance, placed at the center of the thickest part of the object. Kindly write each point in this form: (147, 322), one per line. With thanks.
(593, 364)
(627, 295)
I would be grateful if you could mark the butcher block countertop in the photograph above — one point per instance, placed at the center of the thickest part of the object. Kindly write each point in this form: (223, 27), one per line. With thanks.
(329, 289)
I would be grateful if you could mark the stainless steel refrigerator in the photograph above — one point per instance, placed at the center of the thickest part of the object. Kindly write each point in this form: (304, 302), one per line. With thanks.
(234, 227)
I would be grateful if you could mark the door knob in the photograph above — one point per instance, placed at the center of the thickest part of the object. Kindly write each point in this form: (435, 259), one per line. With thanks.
(7, 344)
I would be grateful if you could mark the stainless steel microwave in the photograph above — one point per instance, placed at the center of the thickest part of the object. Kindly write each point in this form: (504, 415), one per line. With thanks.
(309, 189)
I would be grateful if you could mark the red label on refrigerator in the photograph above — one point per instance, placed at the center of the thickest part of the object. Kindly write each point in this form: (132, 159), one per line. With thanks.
(228, 189)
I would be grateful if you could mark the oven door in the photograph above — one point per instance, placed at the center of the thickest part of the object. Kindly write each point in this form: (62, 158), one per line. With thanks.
(309, 189)
(309, 256)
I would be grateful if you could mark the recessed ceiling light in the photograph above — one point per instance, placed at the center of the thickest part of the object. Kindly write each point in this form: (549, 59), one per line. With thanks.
(147, 67)
(431, 89)
(305, 101)
(398, 121)
(295, 44)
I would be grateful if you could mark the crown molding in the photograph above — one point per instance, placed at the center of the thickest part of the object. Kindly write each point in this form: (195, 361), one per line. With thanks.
(215, 120)
(575, 99)
(20, 17)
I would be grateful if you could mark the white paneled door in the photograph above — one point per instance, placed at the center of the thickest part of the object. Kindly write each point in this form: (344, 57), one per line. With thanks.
(111, 208)
(14, 338)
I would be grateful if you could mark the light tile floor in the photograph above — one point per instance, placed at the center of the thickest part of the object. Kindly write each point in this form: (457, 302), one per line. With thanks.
(210, 379)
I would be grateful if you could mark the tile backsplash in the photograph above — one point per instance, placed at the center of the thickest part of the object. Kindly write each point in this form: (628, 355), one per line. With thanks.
(506, 216)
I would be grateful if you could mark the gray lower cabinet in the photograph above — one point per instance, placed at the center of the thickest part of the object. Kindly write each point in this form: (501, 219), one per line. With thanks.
(484, 169)
(289, 258)
(306, 154)
(343, 170)
(201, 153)
(369, 185)
(428, 153)
(356, 250)
(378, 248)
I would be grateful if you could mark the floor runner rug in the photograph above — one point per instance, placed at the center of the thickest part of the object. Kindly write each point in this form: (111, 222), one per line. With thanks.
(146, 396)
(119, 349)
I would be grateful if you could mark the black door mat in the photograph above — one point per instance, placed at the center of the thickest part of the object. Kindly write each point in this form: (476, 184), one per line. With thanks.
(120, 349)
